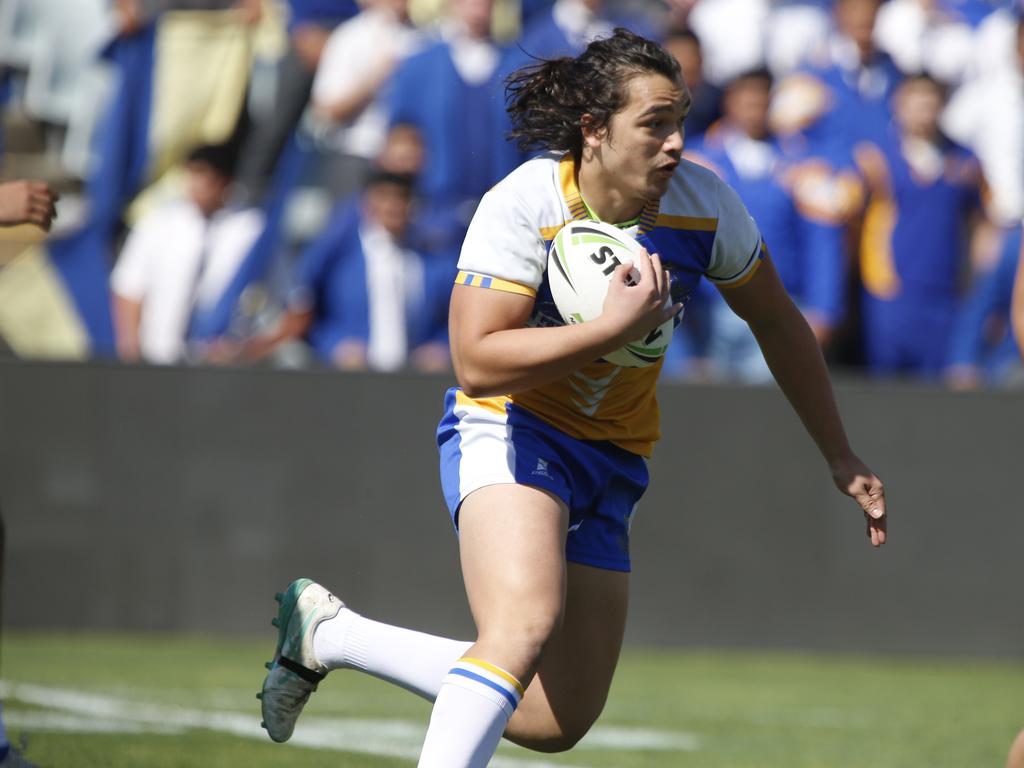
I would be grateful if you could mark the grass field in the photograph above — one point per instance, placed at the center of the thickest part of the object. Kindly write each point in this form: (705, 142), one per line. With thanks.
(118, 701)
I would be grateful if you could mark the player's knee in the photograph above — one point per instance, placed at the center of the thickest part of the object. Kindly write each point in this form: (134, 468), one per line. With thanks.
(526, 635)
(559, 737)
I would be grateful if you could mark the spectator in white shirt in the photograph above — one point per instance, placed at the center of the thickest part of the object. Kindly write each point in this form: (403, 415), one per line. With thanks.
(987, 114)
(348, 107)
(180, 257)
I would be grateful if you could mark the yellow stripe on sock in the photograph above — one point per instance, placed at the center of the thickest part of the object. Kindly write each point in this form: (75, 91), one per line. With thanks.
(497, 671)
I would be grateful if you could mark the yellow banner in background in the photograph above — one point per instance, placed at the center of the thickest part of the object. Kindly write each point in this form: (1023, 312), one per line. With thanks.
(202, 66)
(37, 316)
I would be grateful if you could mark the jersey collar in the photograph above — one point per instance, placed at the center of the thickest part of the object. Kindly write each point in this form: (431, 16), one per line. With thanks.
(578, 208)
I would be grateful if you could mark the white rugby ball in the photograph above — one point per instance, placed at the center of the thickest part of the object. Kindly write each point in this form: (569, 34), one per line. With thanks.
(581, 260)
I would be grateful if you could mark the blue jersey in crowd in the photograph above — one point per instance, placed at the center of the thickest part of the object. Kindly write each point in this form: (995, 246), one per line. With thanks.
(332, 278)
(805, 243)
(912, 250)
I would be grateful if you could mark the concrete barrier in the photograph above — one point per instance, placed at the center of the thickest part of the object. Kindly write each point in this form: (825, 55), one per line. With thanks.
(182, 499)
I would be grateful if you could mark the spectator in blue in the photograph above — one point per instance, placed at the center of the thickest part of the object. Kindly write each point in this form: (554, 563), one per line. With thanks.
(924, 198)
(309, 26)
(706, 98)
(844, 89)
(452, 93)
(568, 25)
(365, 298)
(984, 350)
(806, 246)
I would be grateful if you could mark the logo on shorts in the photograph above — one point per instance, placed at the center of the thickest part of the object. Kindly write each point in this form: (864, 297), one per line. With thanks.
(542, 468)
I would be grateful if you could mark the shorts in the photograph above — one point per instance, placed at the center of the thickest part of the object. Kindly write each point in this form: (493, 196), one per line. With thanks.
(599, 482)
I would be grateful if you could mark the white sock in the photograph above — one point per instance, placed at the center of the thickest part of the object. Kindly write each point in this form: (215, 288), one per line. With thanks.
(472, 709)
(416, 661)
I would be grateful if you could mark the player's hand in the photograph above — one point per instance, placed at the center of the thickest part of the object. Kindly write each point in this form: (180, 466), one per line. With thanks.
(27, 202)
(638, 298)
(853, 478)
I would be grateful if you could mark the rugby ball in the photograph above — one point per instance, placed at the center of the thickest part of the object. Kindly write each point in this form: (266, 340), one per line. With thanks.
(581, 260)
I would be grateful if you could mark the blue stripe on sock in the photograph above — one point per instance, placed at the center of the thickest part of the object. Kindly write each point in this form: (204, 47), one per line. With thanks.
(489, 683)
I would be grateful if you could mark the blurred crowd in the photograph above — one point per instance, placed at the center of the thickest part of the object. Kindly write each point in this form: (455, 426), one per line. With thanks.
(288, 183)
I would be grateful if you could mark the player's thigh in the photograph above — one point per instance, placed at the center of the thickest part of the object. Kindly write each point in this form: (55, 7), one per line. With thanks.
(512, 548)
(571, 686)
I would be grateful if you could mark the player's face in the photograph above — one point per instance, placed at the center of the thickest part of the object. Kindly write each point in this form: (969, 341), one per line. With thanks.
(643, 142)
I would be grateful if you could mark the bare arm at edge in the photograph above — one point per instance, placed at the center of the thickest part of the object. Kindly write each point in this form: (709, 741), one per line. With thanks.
(126, 315)
(1017, 307)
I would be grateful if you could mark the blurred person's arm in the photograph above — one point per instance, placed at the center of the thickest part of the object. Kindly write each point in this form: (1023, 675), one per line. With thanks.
(1017, 313)
(431, 357)
(127, 314)
(133, 15)
(129, 283)
(251, 11)
(27, 202)
(130, 16)
(345, 83)
(822, 238)
(292, 325)
(348, 106)
(309, 41)
(349, 355)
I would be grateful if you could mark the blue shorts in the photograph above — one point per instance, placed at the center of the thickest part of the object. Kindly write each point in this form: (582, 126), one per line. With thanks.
(599, 482)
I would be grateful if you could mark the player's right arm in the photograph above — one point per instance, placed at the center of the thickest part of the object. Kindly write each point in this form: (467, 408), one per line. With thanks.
(494, 354)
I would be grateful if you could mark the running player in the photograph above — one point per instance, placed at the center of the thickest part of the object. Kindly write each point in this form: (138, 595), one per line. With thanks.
(542, 448)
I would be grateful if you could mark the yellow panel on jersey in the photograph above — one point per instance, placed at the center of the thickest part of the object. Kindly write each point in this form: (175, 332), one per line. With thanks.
(570, 191)
(601, 402)
(477, 280)
(698, 223)
(548, 233)
(493, 404)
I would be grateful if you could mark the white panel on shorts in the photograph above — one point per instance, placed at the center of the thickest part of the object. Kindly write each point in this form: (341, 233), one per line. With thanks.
(488, 456)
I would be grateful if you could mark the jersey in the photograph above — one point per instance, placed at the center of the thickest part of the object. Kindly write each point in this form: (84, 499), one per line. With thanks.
(699, 228)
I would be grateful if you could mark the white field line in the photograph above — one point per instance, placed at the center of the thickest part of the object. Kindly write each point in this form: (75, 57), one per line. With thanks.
(81, 711)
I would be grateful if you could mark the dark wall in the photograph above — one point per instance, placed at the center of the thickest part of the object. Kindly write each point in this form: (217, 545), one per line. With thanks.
(152, 498)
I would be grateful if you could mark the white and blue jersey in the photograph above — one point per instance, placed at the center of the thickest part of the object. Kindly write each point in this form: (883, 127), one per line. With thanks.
(586, 436)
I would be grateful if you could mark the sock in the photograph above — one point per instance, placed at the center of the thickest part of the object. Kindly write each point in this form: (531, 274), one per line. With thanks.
(414, 660)
(472, 709)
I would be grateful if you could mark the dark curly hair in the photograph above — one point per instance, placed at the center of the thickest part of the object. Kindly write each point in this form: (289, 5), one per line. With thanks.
(547, 100)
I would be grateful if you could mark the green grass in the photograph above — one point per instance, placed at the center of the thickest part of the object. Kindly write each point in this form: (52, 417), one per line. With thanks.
(190, 701)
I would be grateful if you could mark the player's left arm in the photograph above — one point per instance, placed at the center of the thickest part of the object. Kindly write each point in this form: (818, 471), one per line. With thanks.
(795, 359)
